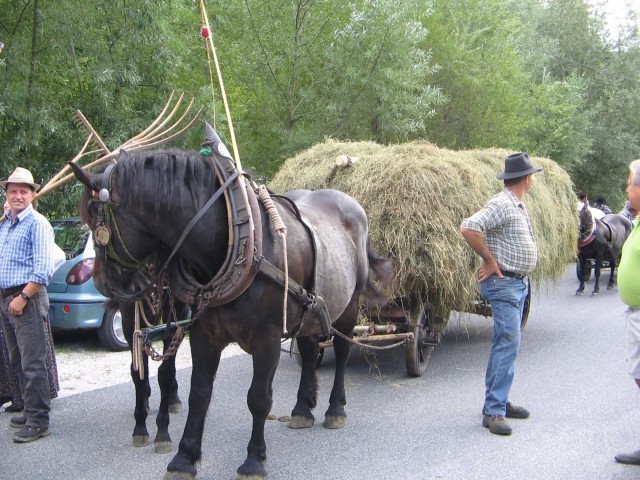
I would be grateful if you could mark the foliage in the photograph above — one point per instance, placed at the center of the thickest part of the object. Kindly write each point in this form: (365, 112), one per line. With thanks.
(544, 76)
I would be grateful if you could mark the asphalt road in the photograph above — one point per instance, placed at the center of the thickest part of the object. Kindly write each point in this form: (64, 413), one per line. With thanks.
(570, 373)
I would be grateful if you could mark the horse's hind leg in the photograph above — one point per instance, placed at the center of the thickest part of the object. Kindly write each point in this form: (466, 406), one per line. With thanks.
(301, 416)
(611, 283)
(266, 356)
(168, 394)
(335, 416)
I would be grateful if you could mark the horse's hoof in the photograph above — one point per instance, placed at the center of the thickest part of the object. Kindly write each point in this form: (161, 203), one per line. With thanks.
(175, 408)
(140, 440)
(595, 294)
(251, 470)
(332, 421)
(609, 287)
(250, 477)
(579, 293)
(300, 422)
(178, 476)
(162, 447)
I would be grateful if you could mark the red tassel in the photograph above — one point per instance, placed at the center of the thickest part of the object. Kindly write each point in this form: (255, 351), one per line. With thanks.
(204, 31)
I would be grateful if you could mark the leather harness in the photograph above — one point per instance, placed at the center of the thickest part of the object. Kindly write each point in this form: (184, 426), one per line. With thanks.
(245, 242)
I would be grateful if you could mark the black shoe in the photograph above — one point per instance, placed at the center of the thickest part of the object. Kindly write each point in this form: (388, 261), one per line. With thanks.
(514, 411)
(18, 422)
(14, 408)
(632, 458)
(30, 434)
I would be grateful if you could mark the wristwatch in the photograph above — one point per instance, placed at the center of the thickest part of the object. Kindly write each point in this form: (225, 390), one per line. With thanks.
(24, 296)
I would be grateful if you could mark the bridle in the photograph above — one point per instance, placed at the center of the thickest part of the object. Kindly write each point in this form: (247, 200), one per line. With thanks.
(106, 228)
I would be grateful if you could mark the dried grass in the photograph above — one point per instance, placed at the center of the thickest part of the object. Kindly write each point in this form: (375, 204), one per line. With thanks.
(416, 195)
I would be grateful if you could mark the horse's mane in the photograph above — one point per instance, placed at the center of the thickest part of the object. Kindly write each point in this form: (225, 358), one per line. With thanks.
(175, 176)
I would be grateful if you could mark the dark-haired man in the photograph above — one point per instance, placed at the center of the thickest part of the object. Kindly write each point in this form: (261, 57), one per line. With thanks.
(501, 234)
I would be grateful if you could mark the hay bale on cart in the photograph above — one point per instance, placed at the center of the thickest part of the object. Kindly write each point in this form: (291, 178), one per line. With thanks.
(416, 195)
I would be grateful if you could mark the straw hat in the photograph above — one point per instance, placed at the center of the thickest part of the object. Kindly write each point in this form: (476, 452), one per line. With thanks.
(20, 175)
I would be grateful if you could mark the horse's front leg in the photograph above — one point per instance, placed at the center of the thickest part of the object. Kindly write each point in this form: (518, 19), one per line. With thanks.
(266, 355)
(596, 277)
(301, 415)
(206, 359)
(169, 401)
(140, 437)
(582, 262)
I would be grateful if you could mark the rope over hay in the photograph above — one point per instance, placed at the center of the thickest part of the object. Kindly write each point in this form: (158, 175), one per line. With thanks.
(416, 195)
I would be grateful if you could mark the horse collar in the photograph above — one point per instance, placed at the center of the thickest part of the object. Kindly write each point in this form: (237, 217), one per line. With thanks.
(588, 239)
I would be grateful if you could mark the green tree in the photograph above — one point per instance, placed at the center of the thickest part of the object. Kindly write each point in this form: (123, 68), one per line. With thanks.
(320, 68)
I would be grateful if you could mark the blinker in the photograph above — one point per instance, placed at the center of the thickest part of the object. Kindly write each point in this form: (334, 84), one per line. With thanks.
(103, 195)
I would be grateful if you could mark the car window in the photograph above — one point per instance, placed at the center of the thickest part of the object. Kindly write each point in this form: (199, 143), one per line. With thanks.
(71, 236)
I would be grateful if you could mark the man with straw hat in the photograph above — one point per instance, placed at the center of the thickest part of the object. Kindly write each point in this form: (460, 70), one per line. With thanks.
(26, 267)
(501, 234)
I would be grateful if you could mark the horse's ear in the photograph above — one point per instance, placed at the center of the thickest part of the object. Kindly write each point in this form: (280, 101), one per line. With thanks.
(123, 154)
(85, 177)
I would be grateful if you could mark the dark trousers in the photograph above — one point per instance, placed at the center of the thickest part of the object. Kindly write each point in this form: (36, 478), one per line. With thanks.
(26, 342)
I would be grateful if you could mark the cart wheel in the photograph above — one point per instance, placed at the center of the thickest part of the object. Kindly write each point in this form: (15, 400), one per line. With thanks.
(296, 353)
(417, 355)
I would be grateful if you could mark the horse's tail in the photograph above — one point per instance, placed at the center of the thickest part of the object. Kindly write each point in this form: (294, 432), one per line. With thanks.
(381, 283)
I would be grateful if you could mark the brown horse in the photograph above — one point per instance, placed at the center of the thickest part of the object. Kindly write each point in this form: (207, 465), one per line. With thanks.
(236, 283)
(600, 240)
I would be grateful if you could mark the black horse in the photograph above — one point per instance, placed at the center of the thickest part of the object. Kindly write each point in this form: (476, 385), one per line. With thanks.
(600, 240)
(152, 314)
(230, 265)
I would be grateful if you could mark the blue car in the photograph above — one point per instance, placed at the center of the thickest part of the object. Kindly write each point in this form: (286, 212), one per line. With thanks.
(74, 301)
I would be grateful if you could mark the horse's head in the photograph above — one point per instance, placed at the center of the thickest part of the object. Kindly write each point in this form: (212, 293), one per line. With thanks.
(126, 253)
(586, 223)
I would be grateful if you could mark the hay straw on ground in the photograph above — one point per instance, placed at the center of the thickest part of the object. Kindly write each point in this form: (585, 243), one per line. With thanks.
(416, 195)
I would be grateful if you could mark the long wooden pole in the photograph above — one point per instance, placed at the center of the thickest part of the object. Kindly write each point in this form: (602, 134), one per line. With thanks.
(209, 39)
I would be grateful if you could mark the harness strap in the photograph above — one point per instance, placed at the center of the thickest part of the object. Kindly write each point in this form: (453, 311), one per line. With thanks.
(197, 217)
(313, 302)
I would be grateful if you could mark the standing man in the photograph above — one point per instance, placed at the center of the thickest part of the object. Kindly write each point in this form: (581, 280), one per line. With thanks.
(501, 234)
(26, 266)
(629, 291)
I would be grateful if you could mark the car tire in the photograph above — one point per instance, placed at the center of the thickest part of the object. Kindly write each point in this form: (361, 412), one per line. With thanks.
(111, 334)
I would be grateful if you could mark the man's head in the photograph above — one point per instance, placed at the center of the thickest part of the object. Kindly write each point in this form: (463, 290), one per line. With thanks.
(517, 170)
(633, 185)
(20, 190)
(582, 197)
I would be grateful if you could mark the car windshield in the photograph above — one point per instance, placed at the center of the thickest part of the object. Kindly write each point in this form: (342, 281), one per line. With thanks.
(71, 236)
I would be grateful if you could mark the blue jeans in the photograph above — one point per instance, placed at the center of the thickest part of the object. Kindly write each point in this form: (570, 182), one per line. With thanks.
(506, 296)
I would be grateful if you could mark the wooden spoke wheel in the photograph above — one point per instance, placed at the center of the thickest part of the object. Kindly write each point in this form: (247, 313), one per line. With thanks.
(419, 351)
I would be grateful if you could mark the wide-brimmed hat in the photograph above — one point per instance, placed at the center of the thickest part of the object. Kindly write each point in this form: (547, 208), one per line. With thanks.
(517, 165)
(20, 175)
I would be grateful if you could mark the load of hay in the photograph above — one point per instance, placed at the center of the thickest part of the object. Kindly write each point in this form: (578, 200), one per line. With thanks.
(416, 195)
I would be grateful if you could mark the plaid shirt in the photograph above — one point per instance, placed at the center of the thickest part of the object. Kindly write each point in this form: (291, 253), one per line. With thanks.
(506, 228)
(26, 249)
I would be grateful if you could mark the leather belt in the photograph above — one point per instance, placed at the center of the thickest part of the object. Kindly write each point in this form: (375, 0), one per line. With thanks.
(5, 292)
(519, 276)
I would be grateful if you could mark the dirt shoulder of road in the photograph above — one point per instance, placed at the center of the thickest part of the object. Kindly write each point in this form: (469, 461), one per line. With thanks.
(84, 365)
